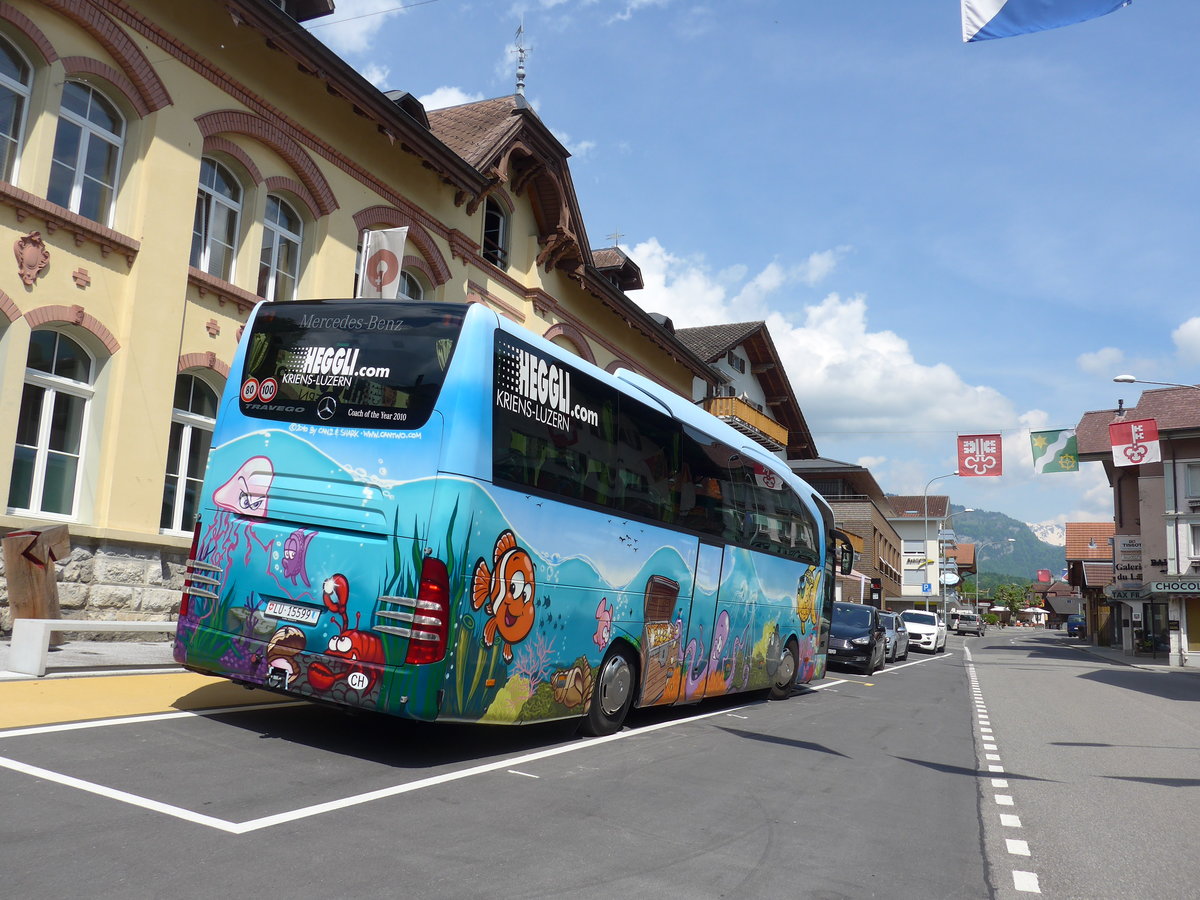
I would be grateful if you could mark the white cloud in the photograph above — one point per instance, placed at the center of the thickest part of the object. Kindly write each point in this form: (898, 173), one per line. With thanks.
(376, 74)
(355, 24)
(577, 149)
(448, 96)
(1187, 340)
(849, 380)
(1101, 362)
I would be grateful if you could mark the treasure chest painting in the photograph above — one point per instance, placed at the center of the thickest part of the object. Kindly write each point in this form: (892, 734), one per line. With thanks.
(660, 644)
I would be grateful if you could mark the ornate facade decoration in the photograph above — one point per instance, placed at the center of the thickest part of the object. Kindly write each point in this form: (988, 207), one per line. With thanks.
(32, 256)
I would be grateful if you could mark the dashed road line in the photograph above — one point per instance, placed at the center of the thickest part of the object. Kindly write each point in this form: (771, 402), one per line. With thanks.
(1024, 882)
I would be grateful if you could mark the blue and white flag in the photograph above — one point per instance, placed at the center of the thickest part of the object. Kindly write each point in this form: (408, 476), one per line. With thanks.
(983, 20)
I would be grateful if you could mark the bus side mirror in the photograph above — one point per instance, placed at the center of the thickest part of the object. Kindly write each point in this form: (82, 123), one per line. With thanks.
(847, 563)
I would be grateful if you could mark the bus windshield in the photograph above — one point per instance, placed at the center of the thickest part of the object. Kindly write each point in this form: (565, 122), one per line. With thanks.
(369, 364)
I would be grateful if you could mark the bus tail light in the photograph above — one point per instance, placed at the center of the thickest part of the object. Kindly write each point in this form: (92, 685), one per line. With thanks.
(197, 580)
(431, 617)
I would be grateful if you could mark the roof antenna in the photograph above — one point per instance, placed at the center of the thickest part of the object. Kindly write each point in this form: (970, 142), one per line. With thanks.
(521, 51)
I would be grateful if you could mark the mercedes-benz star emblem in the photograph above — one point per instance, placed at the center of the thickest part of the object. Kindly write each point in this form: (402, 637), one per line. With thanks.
(326, 407)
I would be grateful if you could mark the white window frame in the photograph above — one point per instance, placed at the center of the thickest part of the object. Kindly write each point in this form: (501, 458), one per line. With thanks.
(190, 422)
(23, 93)
(1194, 540)
(52, 385)
(498, 255)
(91, 131)
(409, 279)
(206, 200)
(277, 235)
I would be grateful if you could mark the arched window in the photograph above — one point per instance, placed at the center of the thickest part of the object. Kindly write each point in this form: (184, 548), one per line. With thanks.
(217, 220)
(187, 454)
(87, 153)
(16, 76)
(51, 425)
(279, 264)
(412, 285)
(495, 233)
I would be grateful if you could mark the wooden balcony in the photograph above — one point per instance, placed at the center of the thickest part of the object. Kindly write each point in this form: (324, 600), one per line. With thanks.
(749, 421)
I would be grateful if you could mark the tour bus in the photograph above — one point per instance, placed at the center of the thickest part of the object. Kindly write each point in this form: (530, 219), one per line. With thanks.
(424, 510)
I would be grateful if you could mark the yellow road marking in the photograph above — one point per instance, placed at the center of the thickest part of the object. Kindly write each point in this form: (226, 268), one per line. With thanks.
(56, 700)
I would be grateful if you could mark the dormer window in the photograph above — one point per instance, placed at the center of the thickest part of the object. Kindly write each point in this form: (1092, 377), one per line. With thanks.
(495, 234)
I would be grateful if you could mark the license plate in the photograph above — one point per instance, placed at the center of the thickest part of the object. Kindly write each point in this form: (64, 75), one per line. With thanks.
(832, 652)
(305, 615)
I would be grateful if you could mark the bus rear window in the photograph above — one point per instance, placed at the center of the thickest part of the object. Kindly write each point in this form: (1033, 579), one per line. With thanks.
(370, 364)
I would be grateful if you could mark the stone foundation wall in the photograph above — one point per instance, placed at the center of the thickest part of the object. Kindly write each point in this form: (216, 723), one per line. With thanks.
(104, 579)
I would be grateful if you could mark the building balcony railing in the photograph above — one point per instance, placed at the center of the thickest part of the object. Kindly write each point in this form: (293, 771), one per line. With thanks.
(749, 421)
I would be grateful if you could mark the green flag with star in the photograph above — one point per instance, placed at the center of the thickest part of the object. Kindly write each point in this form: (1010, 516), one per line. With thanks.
(1054, 451)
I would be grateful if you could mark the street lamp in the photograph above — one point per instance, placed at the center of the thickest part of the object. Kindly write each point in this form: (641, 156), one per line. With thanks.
(1129, 379)
(927, 559)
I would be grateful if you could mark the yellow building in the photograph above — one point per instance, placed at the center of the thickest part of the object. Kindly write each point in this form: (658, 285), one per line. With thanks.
(165, 166)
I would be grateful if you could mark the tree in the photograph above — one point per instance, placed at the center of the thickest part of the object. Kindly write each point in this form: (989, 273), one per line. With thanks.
(1011, 596)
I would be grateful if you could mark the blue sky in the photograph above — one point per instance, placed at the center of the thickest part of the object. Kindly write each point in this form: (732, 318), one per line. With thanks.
(944, 238)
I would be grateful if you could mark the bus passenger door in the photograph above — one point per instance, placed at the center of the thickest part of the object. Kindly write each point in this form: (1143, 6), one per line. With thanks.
(701, 622)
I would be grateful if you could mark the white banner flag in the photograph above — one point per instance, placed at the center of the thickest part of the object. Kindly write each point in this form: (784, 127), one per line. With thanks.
(382, 257)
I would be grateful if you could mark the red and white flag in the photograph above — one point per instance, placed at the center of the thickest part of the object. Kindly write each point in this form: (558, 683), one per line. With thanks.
(382, 258)
(1134, 443)
(980, 454)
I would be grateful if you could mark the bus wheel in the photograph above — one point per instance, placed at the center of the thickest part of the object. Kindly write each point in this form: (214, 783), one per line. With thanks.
(612, 694)
(785, 675)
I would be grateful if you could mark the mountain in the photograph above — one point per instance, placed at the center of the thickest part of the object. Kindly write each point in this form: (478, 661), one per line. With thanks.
(1022, 556)
(1049, 532)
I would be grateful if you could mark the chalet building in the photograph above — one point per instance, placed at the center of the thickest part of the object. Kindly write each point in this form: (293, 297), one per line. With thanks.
(167, 165)
(754, 394)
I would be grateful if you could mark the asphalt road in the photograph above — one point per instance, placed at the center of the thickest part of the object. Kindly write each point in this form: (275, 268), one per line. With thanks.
(864, 787)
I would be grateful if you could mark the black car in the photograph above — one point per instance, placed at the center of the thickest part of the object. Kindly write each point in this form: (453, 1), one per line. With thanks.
(857, 637)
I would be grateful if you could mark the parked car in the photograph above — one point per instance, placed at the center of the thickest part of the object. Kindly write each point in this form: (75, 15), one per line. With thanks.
(1076, 626)
(857, 637)
(926, 630)
(969, 623)
(897, 636)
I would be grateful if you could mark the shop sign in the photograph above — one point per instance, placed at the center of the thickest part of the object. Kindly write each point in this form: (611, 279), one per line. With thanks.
(1178, 586)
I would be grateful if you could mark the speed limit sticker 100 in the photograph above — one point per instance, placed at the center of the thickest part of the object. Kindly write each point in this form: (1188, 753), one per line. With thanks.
(265, 391)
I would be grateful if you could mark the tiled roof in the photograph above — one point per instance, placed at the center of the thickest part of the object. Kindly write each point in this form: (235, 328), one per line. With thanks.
(1097, 574)
(964, 555)
(474, 130)
(710, 342)
(909, 507)
(1173, 408)
(1090, 540)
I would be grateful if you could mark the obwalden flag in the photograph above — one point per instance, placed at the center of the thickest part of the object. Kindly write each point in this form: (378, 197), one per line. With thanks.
(1055, 451)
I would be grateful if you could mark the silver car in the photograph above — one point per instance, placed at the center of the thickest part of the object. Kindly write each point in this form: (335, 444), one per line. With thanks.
(897, 636)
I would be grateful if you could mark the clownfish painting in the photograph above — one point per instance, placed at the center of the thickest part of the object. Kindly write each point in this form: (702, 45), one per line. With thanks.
(505, 592)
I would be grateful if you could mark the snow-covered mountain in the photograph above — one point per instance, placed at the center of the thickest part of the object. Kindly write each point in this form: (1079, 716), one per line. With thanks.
(1050, 532)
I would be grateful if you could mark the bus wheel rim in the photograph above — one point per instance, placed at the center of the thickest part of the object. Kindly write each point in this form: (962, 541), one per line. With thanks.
(787, 668)
(616, 679)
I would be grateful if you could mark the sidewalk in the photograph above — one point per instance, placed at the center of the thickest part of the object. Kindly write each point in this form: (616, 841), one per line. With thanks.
(1115, 655)
(78, 658)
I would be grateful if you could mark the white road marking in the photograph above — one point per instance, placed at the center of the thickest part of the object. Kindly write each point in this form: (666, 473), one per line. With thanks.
(1026, 882)
(319, 808)
(1000, 782)
(153, 717)
(1010, 821)
(1004, 800)
(1017, 848)
(526, 774)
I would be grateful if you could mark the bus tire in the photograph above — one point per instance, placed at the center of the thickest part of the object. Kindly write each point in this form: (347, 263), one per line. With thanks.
(612, 693)
(785, 675)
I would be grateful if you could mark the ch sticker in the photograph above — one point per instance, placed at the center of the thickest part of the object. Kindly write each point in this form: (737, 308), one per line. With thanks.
(249, 390)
